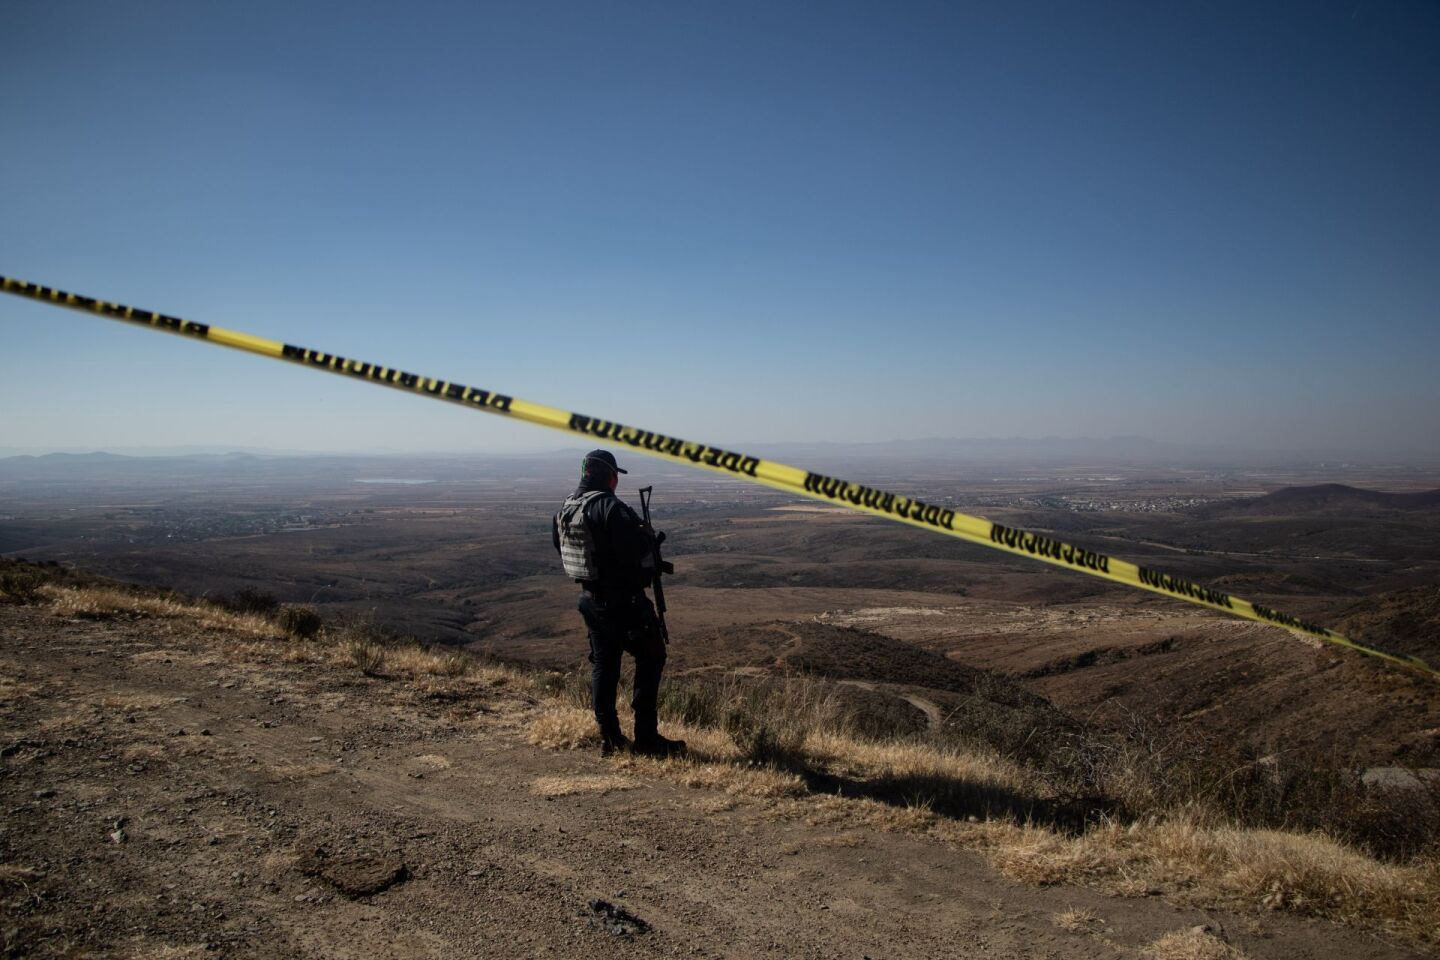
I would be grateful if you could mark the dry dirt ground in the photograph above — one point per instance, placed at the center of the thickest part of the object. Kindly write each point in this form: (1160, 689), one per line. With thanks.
(169, 793)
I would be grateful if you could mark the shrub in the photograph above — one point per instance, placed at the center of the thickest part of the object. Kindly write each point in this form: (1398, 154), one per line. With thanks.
(765, 740)
(249, 600)
(302, 623)
(366, 654)
(21, 587)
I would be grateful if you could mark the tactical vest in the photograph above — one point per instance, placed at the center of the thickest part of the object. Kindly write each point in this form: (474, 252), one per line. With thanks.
(578, 549)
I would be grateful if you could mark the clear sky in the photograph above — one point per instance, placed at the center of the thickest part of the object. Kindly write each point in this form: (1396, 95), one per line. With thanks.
(1204, 222)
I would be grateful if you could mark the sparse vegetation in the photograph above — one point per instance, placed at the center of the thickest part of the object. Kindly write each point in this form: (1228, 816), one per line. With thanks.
(249, 600)
(1075, 920)
(1192, 945)
(21, 586)
(1184, 817)
(366, 654)
(563, 728)
(302, 622)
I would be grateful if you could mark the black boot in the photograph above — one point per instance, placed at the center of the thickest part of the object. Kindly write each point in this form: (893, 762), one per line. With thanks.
(648, 741)
(654, 745)
(612, 741)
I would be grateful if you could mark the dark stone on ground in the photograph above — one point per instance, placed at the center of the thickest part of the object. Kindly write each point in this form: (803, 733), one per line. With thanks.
(615, 919)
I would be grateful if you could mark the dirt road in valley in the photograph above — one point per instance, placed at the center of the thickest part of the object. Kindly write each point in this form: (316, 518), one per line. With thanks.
(174, 795)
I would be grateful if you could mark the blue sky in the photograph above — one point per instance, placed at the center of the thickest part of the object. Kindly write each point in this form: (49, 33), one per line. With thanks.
(1214, 223)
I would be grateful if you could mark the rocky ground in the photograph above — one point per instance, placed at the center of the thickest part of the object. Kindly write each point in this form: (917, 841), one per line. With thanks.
(169, 791)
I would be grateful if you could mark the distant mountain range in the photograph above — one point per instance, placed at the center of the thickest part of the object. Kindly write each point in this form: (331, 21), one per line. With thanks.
(1134, 450)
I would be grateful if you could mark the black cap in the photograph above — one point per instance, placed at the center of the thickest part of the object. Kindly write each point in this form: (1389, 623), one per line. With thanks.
(605, 457)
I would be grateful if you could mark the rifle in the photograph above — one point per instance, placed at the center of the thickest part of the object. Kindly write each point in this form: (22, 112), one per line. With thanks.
(661, 566)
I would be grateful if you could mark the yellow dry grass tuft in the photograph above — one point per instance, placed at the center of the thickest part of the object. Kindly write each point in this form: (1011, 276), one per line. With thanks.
(1193, 944)
(1303, 873)
(101, 603)
(563, 728)
(418, 660)
(738, 781)
(1075, 919)
(592, 783)
(923, 763)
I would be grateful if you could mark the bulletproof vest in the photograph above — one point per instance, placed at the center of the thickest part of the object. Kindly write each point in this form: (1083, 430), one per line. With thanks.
(579, 551)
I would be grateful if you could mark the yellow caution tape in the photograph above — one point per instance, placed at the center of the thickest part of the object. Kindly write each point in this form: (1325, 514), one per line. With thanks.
(791, 479)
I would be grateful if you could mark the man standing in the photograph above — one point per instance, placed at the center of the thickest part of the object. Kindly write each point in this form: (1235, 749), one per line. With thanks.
(611, 553)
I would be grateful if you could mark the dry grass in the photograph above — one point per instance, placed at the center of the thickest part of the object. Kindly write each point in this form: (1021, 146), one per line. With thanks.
(1075, 920)
(105, 603)
(920, 787)
(697, 773)
(1191, 945)
(593, 783)
(1306, 874)
(418, 660)
(367, 655)
(563, 728)
(787, 743)
(290, 772)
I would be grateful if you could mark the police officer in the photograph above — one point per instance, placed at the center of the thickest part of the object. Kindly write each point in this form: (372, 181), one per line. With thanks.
(610, 553)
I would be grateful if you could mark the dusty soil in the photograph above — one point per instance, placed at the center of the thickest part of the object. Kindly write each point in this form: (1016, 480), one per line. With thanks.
(167, 793)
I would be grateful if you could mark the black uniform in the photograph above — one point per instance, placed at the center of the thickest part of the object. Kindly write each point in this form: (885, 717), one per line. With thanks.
(618, 615)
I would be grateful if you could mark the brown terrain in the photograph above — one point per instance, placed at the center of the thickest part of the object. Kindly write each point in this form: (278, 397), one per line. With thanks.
(983, 768)
(182, 783)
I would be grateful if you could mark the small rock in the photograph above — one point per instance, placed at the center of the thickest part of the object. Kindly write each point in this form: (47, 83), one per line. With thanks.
(205, 732)
(44, 794)
(615, 919)
(118, 836)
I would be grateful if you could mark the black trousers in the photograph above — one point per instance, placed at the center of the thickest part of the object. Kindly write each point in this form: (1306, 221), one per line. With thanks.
(623, 622)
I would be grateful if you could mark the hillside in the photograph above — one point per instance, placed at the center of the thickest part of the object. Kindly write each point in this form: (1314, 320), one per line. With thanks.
(1327, 497)
(183, 781)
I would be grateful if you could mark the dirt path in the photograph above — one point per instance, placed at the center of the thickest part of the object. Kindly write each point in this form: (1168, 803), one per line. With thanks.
(189, 796)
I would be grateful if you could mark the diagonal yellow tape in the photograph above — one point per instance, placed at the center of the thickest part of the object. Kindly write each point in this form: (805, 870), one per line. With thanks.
(791, 479)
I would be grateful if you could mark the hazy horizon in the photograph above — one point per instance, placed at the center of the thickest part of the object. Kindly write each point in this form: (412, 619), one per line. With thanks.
(1101, 449)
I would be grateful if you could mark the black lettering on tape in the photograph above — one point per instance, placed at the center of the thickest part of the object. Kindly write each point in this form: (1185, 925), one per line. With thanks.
(696, 453)
(1286, 620)
(868, 497)
(1184, 588)
(1041, 546)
